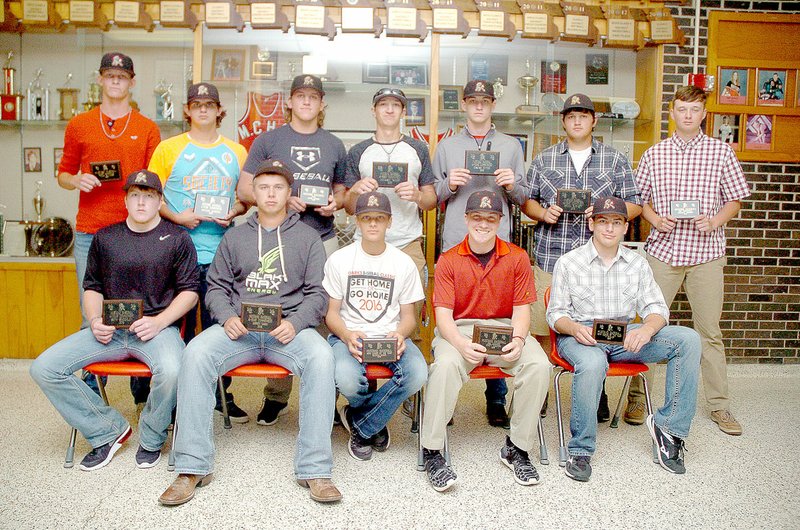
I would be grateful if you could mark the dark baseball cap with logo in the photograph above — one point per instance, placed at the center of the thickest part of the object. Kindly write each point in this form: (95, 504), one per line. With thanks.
(116, 61)
(389, 92)
(203, 91)
(479, 87)
(272, 166)
(373, 201)
(307, 81)
(143, 179)
(578, 102)
(609, 206)
(484, 201)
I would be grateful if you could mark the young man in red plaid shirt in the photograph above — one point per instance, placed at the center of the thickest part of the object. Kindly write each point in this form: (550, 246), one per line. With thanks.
(688, 248)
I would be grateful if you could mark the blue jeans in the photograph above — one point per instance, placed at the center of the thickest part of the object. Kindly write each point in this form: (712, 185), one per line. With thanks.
(212, 353)
(373, 410)
(83, 409)
(496, 390)
(680, 346)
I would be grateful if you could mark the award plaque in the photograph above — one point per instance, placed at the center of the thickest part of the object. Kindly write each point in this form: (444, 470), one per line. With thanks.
(261, 317)
(482, 162)
(314, 195)
(684, 209)
(609, 331)
(493, 338)
(389, 174)
(121, 313)
(573, 200)
(212, 206)
(106, 171)
(379, 350)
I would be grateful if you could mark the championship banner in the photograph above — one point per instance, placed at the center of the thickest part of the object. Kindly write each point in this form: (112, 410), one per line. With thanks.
(263, 113)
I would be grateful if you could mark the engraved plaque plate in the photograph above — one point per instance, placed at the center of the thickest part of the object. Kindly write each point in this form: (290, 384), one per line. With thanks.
(121, 313)
(493, 338)
(609, 331)
(389, 174)
(482, 162)
(212, 206)
(261, 317)
(106, 171)
(573, 200)
(379, 350)
(684, 209)
(314, 195)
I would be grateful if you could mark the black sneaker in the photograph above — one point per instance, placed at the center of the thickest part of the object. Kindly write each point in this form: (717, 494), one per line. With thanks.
(359, 447)
(100, 456)
(440, 475)
(603, 414)
(408, 408)
(270, 412)
(578, 468)
(381, 441)
(337, 420)
(496, 413)
(517, 460)
(145, 458)
(235, 414)
(670, 448)
(543, 410)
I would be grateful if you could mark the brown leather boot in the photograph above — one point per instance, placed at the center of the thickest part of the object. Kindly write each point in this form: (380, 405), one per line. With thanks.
(182, 489)
(322, 489)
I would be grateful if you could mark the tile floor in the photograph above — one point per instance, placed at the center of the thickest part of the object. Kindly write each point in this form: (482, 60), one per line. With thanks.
(752, 481)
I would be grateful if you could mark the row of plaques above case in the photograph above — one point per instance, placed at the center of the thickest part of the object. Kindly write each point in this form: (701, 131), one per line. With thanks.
(615, 26)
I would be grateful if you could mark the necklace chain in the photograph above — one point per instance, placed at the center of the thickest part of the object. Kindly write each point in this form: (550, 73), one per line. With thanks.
(114, 136)
(389, 152)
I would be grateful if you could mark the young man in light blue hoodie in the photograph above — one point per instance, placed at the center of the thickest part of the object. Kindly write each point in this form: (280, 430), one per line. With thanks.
(274, 259)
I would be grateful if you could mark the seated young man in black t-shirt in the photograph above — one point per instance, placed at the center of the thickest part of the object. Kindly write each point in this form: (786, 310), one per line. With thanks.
(144, 258)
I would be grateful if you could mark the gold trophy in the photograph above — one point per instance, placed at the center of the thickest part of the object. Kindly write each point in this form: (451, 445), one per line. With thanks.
(68, 100)
(527, 82)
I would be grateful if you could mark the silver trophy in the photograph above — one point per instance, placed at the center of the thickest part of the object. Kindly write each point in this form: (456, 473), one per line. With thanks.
(38, 98)
(38, 201)
(164, 107)
(527, 83)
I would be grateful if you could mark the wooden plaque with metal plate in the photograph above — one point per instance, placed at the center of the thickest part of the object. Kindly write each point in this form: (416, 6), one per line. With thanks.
(379, 350)
(609, 331)
(684, 209)
(261, 317)
(314, 195)
(482, 162)
(121, 313)
(493, 338)
(106, 171)
(389, 174)
(573, 200)
(212, 206)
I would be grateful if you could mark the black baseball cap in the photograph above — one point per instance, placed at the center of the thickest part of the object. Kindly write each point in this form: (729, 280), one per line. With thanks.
(389, 92)
(273, 166)
(373, 201)
(143, 179)
(203, 91)
(479, 87)
(578, 102)
(307, 81)
(609, 206)
(484, 201)
(116, 61)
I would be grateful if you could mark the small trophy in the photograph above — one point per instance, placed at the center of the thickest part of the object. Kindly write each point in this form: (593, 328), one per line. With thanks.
(95, 94)
(38, 98)
(38, 201)
(164, 107)
(68, 100)
(527, 83)
(10, 103)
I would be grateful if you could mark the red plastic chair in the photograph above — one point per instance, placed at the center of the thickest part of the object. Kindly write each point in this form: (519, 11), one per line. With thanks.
(626, 370)
(127, 368)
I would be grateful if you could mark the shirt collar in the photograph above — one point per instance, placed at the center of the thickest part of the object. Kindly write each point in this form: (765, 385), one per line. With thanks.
(681, 144)
(466, 132)
(501, 248)
(591, 253)
(563, 147)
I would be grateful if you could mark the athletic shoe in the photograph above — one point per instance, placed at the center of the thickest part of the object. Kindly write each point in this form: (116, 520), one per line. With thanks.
(578, 468)
(381, 441)
(440, 475)
(235, 414)
(670, 448)
(358, 446)
(270, 412)
(101, 456)
(145, 458)
(603, 414)
(517, 460)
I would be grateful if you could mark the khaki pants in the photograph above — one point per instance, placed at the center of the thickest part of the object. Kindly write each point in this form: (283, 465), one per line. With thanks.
(415, 252)
(542, 280)
(704, 285)
(450, 371)
(280, 389)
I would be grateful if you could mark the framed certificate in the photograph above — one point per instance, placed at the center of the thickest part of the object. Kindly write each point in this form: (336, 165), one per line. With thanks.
(482, 162)
(389, 174)
(261, 317)
(121, 313)
(493, 338)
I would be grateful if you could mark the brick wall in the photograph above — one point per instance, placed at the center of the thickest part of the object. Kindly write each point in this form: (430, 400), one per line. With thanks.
(760, 319)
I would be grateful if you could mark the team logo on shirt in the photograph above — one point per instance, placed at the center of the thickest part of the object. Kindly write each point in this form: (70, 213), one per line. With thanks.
(306, 157)
(264, 280)
(227, 158)
(369, 295)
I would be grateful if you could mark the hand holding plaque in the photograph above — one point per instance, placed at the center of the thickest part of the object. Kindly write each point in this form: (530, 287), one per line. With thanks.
(389, 174)
(121, 313)
(493, 338)
(573, 200)
(212, 206)
(482, 162)
(261, 317)
(106, 171)
(314, 195)
(379, 350)
(609, 331)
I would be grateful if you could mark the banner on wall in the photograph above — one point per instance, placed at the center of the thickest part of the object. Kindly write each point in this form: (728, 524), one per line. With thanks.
(263, 113)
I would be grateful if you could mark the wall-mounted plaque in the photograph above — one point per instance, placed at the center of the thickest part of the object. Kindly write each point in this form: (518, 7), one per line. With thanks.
(212, 206)
(379, 350)
(127, 12)
(389, 174)
(493, 338)
(609, 331)
(81, 11)
(573, 200)
(261, 317)
(121, 313)
(314, 195)
(172, 11)
(34, 10)
(106, 171)
(482, 162)
(684, 209)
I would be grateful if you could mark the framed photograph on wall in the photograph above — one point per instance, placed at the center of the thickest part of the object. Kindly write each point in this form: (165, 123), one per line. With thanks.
(725, 127)
(227, 65)
(375, 73)
(58, 152)
(523, 142)
(450, 97)
(732, 86)
(415, 111)
(771, 88)
(489, 68)
(758, 133)
(267, 70)
(408, 74)
(32, 159)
